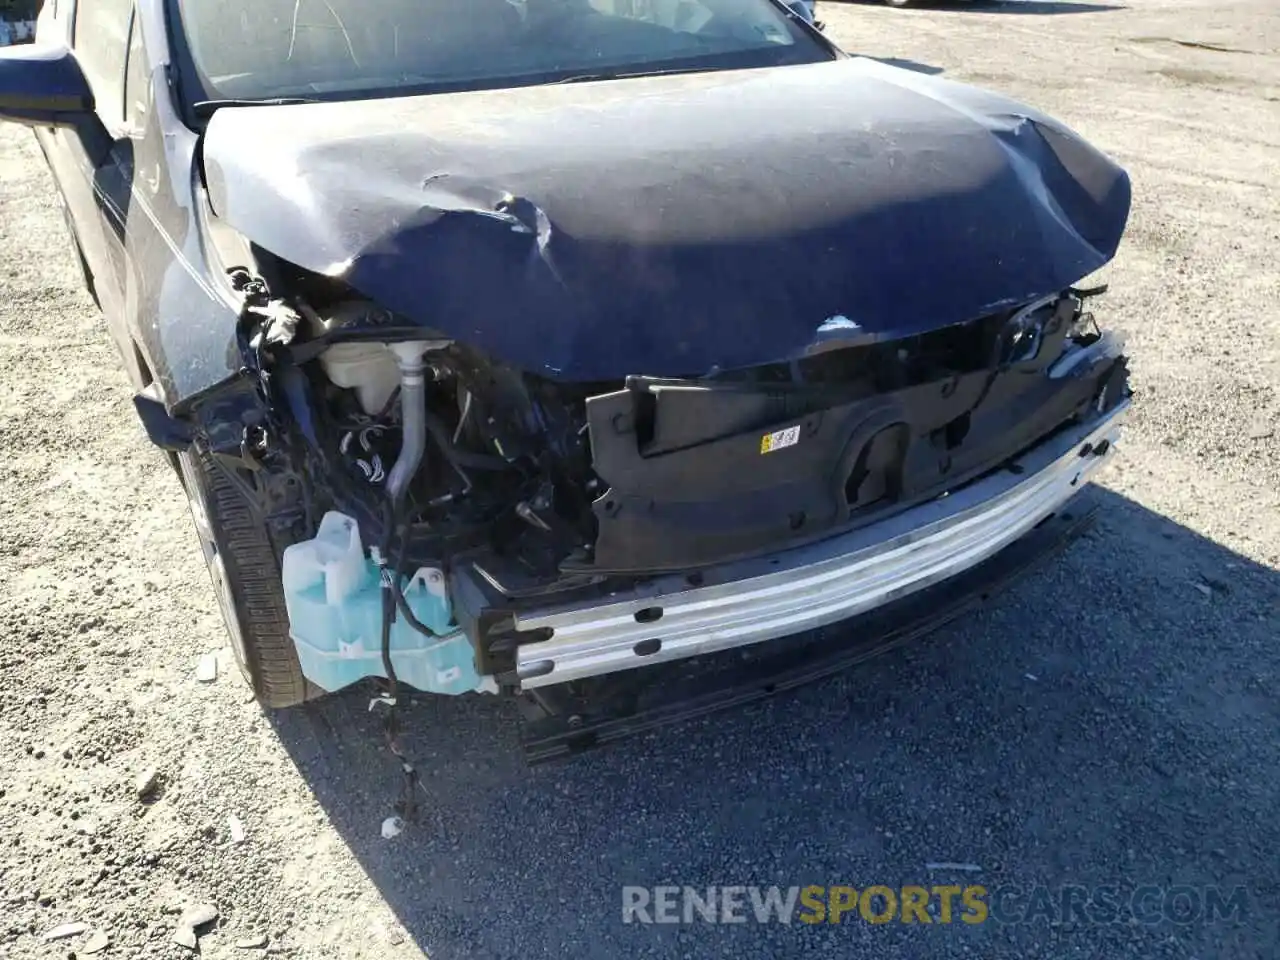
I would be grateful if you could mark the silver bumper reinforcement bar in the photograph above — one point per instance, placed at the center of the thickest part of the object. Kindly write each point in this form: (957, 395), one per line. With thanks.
(808, 587)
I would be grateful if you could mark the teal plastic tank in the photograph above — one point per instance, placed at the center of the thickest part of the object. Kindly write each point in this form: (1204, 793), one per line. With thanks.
(334, 599)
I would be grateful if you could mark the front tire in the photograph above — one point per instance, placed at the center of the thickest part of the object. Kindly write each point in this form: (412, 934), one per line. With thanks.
(245, 571)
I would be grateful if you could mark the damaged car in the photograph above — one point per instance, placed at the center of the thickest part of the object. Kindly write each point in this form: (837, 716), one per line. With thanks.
(502, 345)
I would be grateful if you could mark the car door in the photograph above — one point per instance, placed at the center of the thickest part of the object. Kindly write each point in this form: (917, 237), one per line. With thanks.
(114, 183)
(86, 158)
(62, 148)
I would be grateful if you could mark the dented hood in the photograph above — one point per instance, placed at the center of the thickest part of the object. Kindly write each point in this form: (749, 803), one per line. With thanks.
(675, 225)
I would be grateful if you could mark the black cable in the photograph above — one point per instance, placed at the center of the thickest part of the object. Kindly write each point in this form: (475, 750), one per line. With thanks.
(391, 726)
(393, 599)
(388, 599)
(388, 617)
(402, 604)
(460, 458)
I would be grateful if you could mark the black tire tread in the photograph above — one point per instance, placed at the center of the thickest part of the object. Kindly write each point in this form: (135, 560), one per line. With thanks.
(253, 571)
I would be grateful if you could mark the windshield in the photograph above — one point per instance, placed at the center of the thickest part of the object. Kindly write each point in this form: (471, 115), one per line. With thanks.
(342, 49)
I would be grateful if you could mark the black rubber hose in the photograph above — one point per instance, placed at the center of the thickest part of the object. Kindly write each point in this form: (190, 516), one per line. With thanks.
(461, 458)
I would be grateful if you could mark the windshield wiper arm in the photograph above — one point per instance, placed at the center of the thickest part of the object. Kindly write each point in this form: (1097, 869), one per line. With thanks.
(205, 108)
(593, 77)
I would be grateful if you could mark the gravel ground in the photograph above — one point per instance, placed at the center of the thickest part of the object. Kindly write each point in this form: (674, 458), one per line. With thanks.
(1111, 721)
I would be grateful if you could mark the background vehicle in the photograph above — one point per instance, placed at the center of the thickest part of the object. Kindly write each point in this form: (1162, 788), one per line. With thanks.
(806, 8)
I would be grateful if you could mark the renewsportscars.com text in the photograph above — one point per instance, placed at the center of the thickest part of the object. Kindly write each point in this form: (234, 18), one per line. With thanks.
(937, 903)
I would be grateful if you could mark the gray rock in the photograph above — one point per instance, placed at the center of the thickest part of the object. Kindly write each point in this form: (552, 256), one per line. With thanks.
(207, 668)
(65, 930)
(147, 783)
(185, 937)
(97, 941)
(197, 915)
(1260, 429)
(252, 943)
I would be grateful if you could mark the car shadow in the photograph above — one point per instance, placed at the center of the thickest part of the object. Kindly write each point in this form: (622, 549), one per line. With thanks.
(1096, 707)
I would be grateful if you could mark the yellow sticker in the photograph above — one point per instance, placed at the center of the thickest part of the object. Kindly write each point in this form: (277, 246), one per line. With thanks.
(782, 438)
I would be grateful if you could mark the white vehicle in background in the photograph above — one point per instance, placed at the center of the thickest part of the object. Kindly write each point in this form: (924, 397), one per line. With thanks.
(806, 9)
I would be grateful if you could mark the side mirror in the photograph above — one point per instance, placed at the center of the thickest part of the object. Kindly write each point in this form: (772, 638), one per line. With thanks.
(42, 86)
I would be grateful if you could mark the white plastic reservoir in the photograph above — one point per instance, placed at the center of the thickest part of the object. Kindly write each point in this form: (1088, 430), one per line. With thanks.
(334, 599)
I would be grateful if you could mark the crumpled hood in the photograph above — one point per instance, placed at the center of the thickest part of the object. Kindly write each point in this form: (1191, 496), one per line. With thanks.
(669, 226)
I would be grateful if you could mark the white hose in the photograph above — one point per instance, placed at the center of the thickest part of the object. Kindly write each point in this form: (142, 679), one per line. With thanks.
(413, 415)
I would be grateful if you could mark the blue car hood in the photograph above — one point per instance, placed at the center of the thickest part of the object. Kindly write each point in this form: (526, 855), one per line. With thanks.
(672, 226)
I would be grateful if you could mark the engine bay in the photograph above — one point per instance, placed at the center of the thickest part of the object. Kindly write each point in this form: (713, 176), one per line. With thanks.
(425, 499)
(445, 457)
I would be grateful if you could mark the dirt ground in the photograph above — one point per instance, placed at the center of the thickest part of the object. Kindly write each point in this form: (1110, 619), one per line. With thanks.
(1112, 721)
